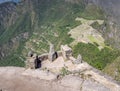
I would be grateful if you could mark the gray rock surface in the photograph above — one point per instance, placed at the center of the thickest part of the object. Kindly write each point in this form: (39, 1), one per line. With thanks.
(79, 59)
(51, 52)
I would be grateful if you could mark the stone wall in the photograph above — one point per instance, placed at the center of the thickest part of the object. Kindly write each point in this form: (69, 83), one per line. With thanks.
(30, 60)
(66, 53)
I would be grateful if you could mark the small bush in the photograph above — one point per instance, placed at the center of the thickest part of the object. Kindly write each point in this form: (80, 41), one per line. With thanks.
(64, 71)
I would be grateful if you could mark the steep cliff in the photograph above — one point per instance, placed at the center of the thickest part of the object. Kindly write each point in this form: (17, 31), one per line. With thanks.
(7, 11)
(34, 24)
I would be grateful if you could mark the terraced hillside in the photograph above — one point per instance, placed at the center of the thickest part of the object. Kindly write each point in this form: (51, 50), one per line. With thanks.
(37, 23)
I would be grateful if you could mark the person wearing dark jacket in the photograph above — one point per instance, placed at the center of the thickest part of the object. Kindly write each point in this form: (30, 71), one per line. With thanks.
(37, 62)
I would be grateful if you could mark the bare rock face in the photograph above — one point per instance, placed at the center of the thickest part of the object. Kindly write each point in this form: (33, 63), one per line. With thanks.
(15, 79)
(72, 82)
(89, 85)
(79, 59)
(30, 54)
(41, 74)
(66, 51)
(82, 84)
(76, 77)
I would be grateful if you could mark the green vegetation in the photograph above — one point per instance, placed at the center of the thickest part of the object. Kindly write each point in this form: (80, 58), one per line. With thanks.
(64, 71)
(50, 20)
(96, 25)
(55, 21)
(13, 60)
(113, 69)
(93, 12)
(95, 57)
(98, 42)
(13, 51)
(17, 29)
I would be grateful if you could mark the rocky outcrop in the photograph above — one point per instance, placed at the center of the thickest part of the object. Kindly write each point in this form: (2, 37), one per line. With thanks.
(15, 78)
(66, 69)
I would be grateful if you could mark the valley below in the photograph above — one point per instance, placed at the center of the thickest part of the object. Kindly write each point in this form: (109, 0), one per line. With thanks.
(90, 27)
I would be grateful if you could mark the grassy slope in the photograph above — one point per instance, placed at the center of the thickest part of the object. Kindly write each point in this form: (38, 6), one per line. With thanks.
(95, 57)
(113, 69)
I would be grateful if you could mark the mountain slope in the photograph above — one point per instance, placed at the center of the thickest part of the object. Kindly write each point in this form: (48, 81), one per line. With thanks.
(15, 34)
(31, 18)
(111, 7)
(37, 23)
(7, 10)
(113, 69)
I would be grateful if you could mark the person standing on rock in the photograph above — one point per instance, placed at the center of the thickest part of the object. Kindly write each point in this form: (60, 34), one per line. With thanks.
(37, 62)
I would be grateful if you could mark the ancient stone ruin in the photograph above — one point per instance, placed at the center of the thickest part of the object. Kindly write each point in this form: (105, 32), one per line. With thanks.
(63, 67)
(33, 61)
(52, 54)
(79, 59)
(66, 51)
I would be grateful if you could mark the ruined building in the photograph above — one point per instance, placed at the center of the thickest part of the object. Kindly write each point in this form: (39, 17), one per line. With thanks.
(61, 65)
(33, 61)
